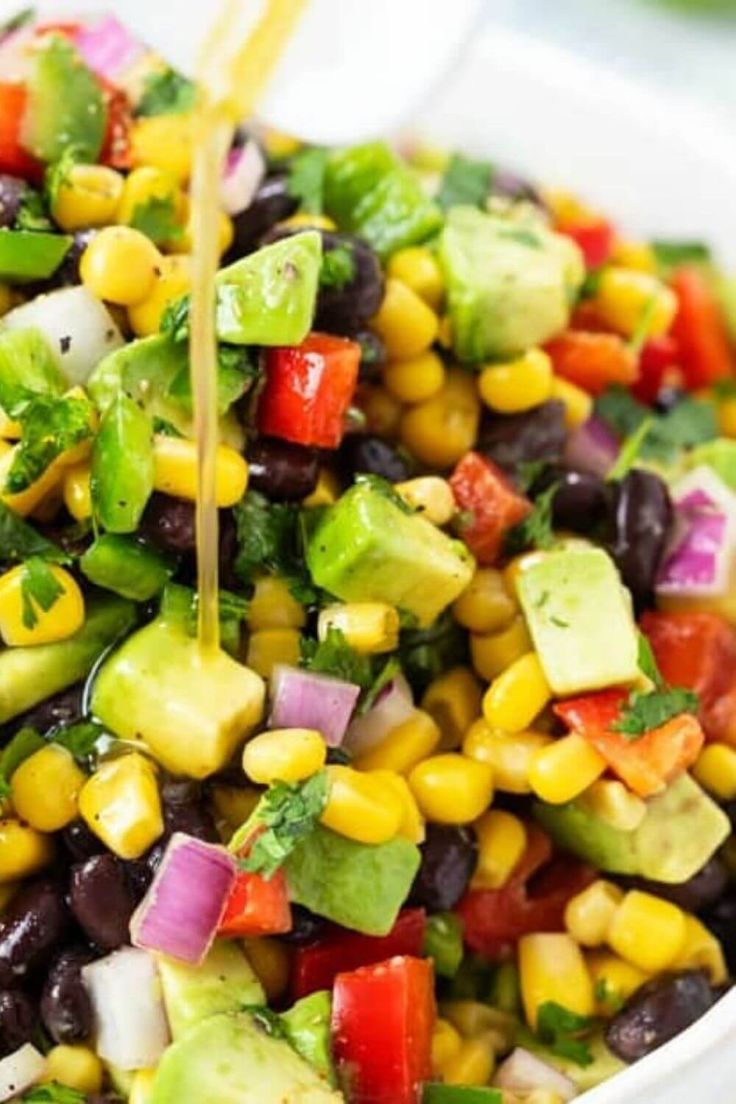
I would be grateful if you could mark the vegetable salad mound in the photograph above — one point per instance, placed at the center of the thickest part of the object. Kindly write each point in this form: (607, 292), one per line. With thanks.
(447, 817)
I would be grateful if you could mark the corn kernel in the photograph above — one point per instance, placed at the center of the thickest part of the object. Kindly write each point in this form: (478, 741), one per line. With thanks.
(702, 951)
(415, 380)
(368, 627)
(501, 843)
(141, 1086)
(566, 207)
(175, 470)
(382, 411)
(418, 268)
(552, 968)
(452, 789)
(273, 606)
(431, 496)
(473, 1065)
(303, 220)
(172, 280)
(45, 788)
(516, 696)
(163, 142)
(440, 430)
(492, 653)
(285, 755)
(613, 803)
(564, 768)
(271, 962)
(509, 755)
(25, 502)
(647, 931)
(326, 492)
(57, 621)
(143, 185)
(486, 605)
(404, 746)
(267, 647)
(361, 806)
(474, 1019)
(588, 915)
(446, 1043)
(625, 297)
(715, 770)
(614, 980)
(404, 322)
(23, 851)
(453, 699)
(412, 821)
(517, 385)
(120, 803)
(577, 402)
(725, 415)
(638, 255)
(279, 144)
(120, 265)
(75, 1066)
(87, 196)
(76, 492)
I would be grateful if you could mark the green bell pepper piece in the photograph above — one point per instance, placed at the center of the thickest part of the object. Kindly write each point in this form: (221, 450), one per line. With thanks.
(443, 941)
(460, 1094)
(31, 254)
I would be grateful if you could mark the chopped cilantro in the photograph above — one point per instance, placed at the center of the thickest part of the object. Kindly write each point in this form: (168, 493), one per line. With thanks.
(528, 472)
(50, 427)
(427, 653)
(645, 711)
(268, 1021)
(612, 1000)
(672, 254)
(334, 656)
(560, 1030)
(175, 319)
(559, 622)
(32, 213)
(383, 487)
(79, 739)
(165, 428)
(535, 531)
(307, 178)
(642, 330)
(25, 742)
(338, 268)
(57, 173)
(465, 181)
(53, 1093)
(630, 451)
(156, 218)
(389, 671)
(19, 540)
(689, 422)
(237, 369)
(269, 536)
(15, 22)
(167, 93)
(288, 812)
(647, 661)
(38, 587)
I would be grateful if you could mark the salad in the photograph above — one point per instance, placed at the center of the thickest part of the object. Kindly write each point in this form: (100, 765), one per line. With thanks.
(447, 819)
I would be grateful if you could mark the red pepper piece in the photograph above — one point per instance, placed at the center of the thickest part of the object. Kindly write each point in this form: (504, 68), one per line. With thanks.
(700, 330)
(317, 965)
(308, 390)
(257, 906)
(13, 158)
(382, 1021)
(593, 361)
(490, 503)
(658, 366)
(116, 145)
(595, 239)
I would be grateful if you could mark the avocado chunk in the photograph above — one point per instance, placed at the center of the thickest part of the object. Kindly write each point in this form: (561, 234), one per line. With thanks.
(307, 1027)
(224, 982)
(65, 108)
(361, 886)
(192, 710)
(269, 297)
(580, 618)
(681, 830)
(509, 285)
(28, 675)
(366, 548)
(31, 254)
(604, 1062)
(126, 566)
(227, 1059)
(720, 455)
(27, 369)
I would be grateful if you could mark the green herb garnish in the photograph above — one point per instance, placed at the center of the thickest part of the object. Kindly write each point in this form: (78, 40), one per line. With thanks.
(167, 93)
(50, 426)
(307, 178)
(288, 812)
(40, 588)
(20, 541)
(465, 181)
(535, 531)
(334, 656)
(560, 1030)
(338, 268)
(156, 218)
(269, 536)
(646, 710)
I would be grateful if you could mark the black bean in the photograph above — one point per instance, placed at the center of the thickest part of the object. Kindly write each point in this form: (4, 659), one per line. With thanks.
(512, 439)
(185, 810)
(373, 356)
(68, 271)
(17, 1020)
(283, 471)
(270, 205)
(66, 1010)
(12, 190)
(721, 920)
(697, 893)
(511, 186)
(169, 523)
(80, 842)
(368, 454)
(306, 927)
(102, 901)
(449, 856)
(140, 873)
(33, 925)
(581, 501)
(657, 1012)
(344, 306)
(641, 519)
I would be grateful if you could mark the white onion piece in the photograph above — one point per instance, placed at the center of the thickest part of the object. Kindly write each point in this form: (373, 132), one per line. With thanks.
(523, 1072)
(130, 1022)
(304, 699)
(244, 171)
(700, 552)
(108, 47)
(21, 1069)
(79, 329)
(393, 706)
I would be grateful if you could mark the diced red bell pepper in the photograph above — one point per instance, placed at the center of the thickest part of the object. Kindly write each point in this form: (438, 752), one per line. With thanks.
(382, 1022)
(700, 330)
(495, 919)
(658, 366)
(308, 390)
(648, 762)
(593, 361)
(698, 651)
(13, 158)
(489, 505)
(116, 150)
(317, 965)
(594, 237)
(257, 906)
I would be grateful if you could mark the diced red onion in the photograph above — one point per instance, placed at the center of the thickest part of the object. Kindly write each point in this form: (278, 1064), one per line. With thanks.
(523, 1072)
(700, 552)
(21, 1069)
(303, 699)
(108, 47)
(181, 912)
(131, 1029)
(393, 706)
(592, 447)
(244, 170)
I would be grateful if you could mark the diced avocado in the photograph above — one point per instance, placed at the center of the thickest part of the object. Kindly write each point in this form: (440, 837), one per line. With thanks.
(307, 1027)
(681, 830)
(269, 297)
(720, 455)
(372, 192)
(191, 709)
(365, 548)
(509, 286)
(126, 566)
(65, 107)
(28, 675)
(31, 254)
(581, 621)
(122, 466)
(227, 1059)
(180, 603)
(361, 886)
(224, 982)
(605, 1064)
(27, 368)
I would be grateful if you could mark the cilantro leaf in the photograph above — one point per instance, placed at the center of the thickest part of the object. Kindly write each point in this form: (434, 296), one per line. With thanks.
(560, 1030)
(671, 254)
(50, 426)
(535, 531)
(334, 656)
(237, 370)
(156, 218)
(465, 181)
(427, 653)
(57, 173)
(19, 540)
(307, 178)
(338, 267)
(165, 428)
(389, 671)
(265, 1018)
(647, 661)
(167, 93)
(382, 486)
(269, 538)
(645, 711)
(630, 450)
(53, 1093)
(175, 319)
(79, 739)
(38, 587)
(689, 422)
(288, 812)
(32, 213)
(25, 742)
(612, 1000)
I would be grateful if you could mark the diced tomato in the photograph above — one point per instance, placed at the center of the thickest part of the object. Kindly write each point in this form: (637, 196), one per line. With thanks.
(698, 651)
(489, 503)
(382, 1022)
(257, 906)
(658, 367)
(308, 390)
(116, 145)
(532, 900)
(63, 27)
(700, 330)
(594, 237)
(645, 764)
(13, 158)
(317, 965)
(593, 361)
